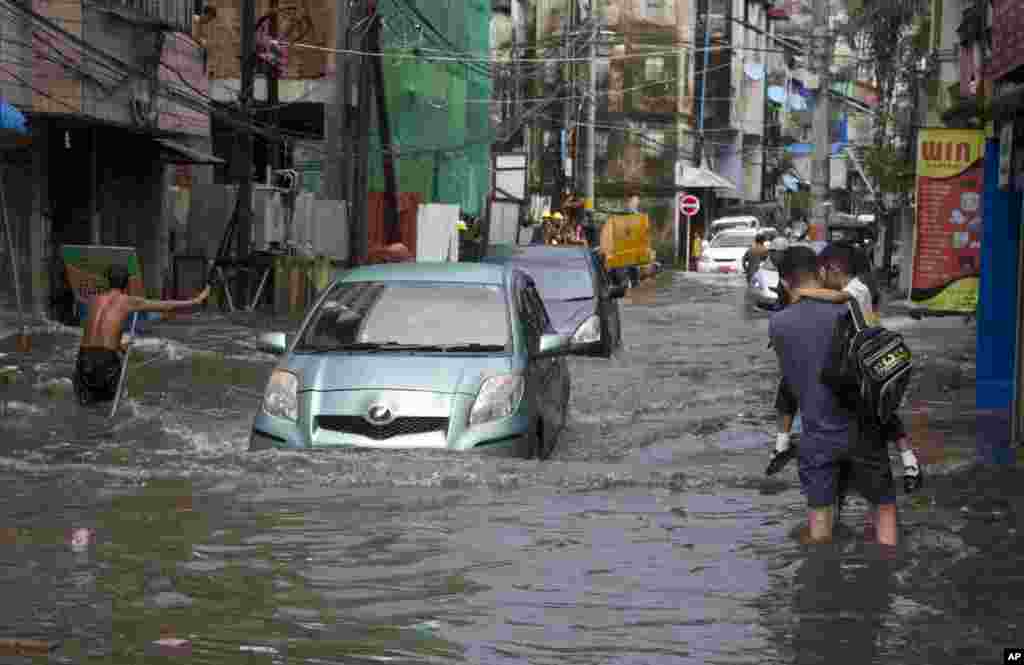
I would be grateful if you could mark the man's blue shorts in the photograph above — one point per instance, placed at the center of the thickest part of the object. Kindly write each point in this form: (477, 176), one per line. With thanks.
(827, 474)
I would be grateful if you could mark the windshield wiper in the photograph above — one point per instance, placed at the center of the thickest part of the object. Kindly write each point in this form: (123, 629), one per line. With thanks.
(398, 346)
(474, 347)
(578, 299)
(369, 346)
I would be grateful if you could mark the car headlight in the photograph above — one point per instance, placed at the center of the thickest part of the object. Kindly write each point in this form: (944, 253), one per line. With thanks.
(499, 397)
(588, 332)
(281, 398)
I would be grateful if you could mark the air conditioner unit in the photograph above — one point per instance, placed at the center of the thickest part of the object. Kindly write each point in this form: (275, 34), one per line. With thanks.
(268, 221)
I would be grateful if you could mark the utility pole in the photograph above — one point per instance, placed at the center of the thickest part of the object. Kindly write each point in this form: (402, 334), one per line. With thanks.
(822, 145)
(274, 94)
(392, 224)
(567, 104)
(590, 156)
(244, 203)
(360, 162)
(334, 182)
(704, 10)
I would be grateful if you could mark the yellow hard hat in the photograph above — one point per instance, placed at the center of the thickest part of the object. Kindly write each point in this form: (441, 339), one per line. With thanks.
(557, 215)
(461, 226)
(547, 213)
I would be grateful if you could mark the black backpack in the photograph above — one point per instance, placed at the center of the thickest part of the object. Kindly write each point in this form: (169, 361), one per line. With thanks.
(868, 369)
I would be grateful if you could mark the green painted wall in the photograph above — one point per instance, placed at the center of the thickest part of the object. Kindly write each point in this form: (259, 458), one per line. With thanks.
(439, 123)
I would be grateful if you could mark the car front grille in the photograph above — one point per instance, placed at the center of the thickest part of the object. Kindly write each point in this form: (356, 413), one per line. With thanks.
(398, 427)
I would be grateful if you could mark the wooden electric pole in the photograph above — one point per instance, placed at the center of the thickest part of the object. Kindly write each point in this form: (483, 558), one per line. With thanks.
(392, 224)
(360, 145)
(274, 95)
(245, 155)
(822, 51)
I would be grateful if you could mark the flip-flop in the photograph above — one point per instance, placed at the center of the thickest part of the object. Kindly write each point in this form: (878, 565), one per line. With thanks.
(779, 461)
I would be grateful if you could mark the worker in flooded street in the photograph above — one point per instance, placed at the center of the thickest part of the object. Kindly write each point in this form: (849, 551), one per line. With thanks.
(101, 352)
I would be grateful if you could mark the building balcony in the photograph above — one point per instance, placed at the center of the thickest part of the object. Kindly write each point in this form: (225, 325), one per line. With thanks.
(169, 14)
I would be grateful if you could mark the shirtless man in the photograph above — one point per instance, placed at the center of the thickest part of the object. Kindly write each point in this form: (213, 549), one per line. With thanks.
(100, 354)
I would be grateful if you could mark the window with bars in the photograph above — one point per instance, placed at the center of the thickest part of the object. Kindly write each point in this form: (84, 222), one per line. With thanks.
(654, 69)
(653, 142)
(655, 9)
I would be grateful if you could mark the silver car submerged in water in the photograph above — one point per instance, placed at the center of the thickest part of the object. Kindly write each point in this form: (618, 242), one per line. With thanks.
(446, 356)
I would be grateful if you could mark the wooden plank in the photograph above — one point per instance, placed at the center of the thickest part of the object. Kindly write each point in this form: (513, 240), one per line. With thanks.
(26, 647)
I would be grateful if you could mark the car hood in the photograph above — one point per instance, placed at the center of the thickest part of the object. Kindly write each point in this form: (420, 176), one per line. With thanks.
(397, 371)
(725, 253)
(567, 315)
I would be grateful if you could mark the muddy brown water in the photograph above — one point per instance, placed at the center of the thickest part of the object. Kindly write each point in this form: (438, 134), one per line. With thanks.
(651, 536)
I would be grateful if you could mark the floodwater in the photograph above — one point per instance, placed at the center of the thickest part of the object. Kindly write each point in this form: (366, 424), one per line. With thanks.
(652, 535)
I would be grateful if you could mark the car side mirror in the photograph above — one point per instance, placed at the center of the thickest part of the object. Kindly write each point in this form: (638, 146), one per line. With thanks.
(274, 342)
(617, 291)
(553, 345)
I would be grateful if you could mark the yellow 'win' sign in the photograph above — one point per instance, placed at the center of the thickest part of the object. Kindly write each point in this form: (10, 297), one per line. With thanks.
(943, 153)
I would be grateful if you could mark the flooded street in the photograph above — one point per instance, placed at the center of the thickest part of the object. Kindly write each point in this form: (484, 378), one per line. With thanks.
(651, 536)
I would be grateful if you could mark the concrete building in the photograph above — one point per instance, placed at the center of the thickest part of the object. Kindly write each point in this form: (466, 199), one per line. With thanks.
(438, 109)
(115, 93)
(738, 78)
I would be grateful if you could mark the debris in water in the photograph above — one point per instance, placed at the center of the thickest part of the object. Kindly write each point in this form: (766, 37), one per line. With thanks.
(8, 374)
(55, 387)
(26, 647)
(81, 539)
(173, 646)
(168, 599)
(258, 649)
(427, 628)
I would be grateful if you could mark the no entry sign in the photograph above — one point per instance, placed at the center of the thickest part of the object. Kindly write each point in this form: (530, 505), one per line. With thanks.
(689, 205)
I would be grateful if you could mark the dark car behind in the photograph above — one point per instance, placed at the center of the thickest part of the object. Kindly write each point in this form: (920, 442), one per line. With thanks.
(576, 290)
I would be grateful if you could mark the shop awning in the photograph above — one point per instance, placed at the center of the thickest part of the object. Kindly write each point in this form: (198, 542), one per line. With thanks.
(176, 153)
(694, 177)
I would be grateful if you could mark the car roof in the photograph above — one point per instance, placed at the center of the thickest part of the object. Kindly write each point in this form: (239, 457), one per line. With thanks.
(741, 232)
(466, 273)
(734, 218)
(505, 253)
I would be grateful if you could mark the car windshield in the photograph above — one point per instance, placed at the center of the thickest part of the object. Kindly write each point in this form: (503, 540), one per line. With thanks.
(733, 240)
(396, 316)
(563, 280)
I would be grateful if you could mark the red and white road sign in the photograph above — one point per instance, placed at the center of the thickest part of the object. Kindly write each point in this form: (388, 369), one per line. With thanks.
(689, 205)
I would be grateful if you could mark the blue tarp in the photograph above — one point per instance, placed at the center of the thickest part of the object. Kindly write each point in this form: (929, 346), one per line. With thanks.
(11, 118)
(808, 148)
(997, 293)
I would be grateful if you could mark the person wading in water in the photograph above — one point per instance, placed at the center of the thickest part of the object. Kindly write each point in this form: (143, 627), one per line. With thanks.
(101, 352)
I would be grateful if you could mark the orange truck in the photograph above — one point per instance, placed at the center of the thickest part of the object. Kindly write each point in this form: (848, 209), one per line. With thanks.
(626, 245)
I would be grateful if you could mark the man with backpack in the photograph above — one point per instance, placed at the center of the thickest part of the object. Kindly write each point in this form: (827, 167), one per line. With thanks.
(836, 451)
(837, 265)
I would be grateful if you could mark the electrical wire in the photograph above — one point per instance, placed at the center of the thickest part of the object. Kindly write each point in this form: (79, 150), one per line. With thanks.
(600, 94)
(39, 91)
(201, 101)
